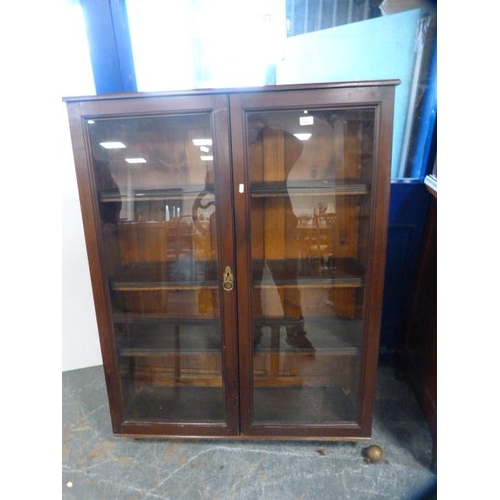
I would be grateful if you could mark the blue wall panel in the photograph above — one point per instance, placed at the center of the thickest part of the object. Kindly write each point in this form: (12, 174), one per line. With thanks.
(408, 208)
(109, 42)
(381, 48)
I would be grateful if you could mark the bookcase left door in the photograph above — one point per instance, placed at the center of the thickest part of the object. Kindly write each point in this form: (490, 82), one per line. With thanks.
(155, 183)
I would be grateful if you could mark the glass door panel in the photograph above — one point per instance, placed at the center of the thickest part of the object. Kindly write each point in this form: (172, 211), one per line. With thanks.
(154, 180)
(310, 179)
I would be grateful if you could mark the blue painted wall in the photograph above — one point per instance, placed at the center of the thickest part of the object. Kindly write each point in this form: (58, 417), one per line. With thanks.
(381, 48)
(407, 212)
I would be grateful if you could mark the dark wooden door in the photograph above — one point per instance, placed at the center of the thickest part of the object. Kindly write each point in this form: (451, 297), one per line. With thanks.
(155, 186)
(311, 183)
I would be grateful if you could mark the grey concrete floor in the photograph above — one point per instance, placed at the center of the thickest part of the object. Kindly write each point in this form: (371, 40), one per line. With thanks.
(98, 466)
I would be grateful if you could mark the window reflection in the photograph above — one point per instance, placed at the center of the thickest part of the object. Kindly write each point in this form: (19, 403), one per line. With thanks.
(77, 77)
(201, 43)
(282, 271)
(234, 43)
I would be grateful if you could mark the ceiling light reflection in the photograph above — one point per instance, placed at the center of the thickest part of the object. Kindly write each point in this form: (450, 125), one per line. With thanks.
(202, 142)
(135, 160)
(303, 137)
(112, 145)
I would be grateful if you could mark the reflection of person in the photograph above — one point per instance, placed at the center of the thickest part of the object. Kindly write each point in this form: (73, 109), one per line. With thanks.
(110, 216)
(284, 269)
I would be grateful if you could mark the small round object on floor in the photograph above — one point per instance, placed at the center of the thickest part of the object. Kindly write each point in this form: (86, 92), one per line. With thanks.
(374, 453)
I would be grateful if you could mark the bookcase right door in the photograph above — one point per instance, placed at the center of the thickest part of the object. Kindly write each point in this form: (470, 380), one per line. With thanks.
(314, 212)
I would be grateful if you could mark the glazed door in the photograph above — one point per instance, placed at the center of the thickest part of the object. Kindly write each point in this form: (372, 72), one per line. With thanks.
(309, 183)
(161, 184)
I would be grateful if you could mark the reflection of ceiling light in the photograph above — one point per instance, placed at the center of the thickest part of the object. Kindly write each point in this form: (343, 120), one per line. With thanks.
(204, 149)
(112, 145)
(135, 160)
(90, 122)
(306, 120)
(303, 137)
(207, 158)
(202, 142)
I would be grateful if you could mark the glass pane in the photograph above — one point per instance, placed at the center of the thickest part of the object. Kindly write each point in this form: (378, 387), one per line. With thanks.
(310, 214)
(154, 178)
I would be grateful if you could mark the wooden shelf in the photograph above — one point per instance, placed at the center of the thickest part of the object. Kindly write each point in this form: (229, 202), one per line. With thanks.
(186, 337)
(311, 283)
(196, 275)
(309, 273)
(169, 275)
(303, 404)
(181, 193)
(158, 337)
(309, 188)
(328, 336)
(192, 404)
(165, 319)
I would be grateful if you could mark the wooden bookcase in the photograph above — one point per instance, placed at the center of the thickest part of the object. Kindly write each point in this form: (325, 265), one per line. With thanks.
(237, 266)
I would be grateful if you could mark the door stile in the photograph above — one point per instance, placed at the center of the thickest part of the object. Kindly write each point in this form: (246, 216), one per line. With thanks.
(226, 231)
(243, 259)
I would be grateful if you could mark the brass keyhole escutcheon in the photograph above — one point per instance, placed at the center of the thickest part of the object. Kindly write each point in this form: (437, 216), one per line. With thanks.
(227, 282)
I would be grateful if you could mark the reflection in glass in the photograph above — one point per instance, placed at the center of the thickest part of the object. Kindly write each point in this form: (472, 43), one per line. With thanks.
(310, 205)
(157, 209)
